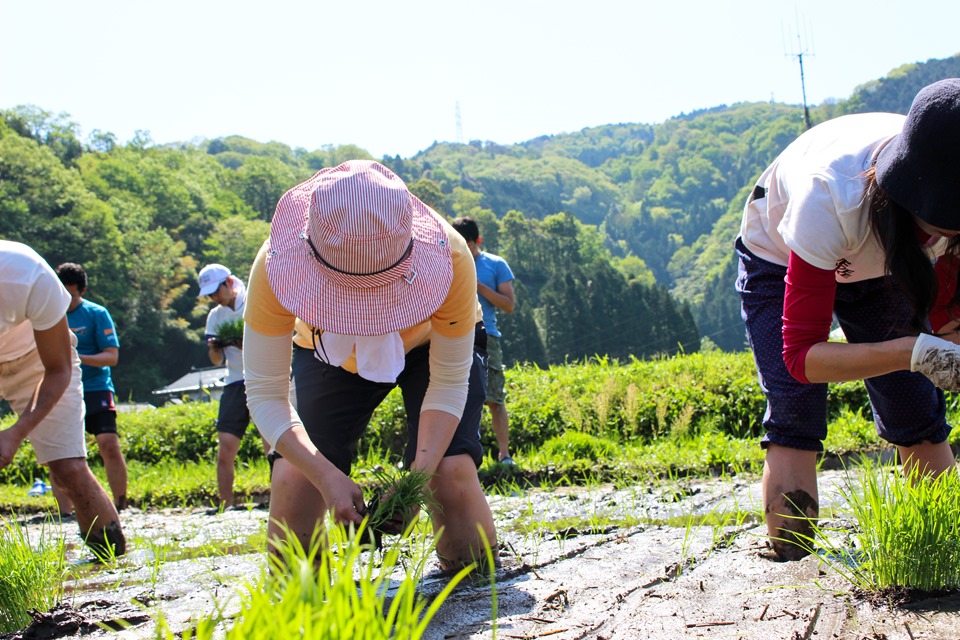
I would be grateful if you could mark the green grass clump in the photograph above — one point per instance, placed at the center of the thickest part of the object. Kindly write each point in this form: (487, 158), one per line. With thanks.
(31, 574)
(851, 431)
(573, 445)
(906, 532)
(334, 590)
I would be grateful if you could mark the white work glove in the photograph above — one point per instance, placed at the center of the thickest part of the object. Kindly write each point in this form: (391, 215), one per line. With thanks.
(938, 359)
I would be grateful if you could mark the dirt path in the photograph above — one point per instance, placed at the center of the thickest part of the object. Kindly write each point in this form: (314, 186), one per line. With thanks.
(558, 581)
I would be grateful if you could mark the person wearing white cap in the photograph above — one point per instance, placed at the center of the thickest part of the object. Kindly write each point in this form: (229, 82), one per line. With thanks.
(375, 290)
(233, 416)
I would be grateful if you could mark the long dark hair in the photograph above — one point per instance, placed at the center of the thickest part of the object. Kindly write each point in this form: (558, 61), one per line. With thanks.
(904, 258)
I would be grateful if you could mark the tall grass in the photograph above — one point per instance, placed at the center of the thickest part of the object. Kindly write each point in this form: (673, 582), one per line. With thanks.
(906, 531)
(31, 574)
(334, 590)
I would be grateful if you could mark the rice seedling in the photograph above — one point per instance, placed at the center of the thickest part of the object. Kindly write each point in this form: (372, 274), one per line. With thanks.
(332, 590)
(229, 334)
(397, 498)
(31, 573)
(905, 531)
(491, 565)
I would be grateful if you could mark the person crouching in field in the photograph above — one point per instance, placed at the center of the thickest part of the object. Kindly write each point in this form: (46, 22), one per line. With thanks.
(375, 290)
(40, 378)
(846, 222)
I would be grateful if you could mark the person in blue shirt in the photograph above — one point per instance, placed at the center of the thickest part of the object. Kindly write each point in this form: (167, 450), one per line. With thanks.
(99, 349)
(495, 292)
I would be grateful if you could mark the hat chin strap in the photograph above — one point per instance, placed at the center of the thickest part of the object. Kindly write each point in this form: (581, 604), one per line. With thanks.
(316, 254)
(379, 358)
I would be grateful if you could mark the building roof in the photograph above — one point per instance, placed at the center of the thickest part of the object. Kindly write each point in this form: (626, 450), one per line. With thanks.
(206, 378)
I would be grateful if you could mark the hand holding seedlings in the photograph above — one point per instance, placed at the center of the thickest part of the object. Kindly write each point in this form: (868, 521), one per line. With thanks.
(396, 501)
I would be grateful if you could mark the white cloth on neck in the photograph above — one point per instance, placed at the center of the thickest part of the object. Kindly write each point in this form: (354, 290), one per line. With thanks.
(379, 358)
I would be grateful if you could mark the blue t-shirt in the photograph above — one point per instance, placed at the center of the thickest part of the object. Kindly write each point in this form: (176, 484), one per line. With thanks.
(492, 270)
(95, 332)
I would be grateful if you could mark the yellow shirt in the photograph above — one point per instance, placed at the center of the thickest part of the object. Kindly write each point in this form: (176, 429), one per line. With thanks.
(456, 317)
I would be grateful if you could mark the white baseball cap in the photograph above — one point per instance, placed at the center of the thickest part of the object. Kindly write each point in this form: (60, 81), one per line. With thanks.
(210, 278)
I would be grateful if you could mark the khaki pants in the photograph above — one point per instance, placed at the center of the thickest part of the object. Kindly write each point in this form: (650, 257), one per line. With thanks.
(60, 434)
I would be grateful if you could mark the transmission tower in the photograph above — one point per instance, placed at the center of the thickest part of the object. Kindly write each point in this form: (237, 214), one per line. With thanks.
(459, 124)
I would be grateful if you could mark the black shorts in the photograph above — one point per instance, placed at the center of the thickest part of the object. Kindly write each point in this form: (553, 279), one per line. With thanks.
(336, 405)
(234, 416)
(101, 412)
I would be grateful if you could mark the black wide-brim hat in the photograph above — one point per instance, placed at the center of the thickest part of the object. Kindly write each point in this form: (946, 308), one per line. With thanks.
(920, 168)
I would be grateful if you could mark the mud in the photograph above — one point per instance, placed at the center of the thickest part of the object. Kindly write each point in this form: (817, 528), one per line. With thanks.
(687, 560)
(793, 538)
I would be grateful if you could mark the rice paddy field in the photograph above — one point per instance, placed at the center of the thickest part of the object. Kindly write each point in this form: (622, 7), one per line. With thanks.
(634, 512)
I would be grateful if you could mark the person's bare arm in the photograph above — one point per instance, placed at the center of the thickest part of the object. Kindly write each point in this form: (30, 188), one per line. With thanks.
(215, 352)
(502, 298)
(840, 362)
(109, 357)
(55, 351)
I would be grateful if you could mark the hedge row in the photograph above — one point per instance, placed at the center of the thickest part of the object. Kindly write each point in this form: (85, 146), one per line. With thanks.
(619, 401)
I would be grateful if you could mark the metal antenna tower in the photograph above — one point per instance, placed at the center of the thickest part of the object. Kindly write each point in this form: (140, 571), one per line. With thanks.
(459, 124)
(803, 85)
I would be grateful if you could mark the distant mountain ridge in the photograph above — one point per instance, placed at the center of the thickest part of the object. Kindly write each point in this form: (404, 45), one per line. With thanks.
(669, 194)
(620, 235)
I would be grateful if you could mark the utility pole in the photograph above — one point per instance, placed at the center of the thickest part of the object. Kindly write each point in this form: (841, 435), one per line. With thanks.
(459, 124)
(803, 85)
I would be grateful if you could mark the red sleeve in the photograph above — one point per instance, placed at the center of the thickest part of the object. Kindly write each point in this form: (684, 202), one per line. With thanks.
(807, 312)
(942, 311)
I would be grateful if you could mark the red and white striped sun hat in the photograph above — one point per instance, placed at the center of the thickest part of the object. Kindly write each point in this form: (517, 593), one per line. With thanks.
(353, 252)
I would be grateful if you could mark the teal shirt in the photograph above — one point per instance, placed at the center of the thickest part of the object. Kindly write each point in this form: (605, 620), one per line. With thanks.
(95, 331)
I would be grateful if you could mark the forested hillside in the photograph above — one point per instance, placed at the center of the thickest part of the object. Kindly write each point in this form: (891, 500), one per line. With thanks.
(620, 236)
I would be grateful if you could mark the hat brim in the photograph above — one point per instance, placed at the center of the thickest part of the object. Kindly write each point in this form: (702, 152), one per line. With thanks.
(302, 286)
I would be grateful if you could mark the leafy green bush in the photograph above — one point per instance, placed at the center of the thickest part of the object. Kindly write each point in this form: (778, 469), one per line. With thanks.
(578, 446)
(645, 399)
(851, 431)
(637, 401)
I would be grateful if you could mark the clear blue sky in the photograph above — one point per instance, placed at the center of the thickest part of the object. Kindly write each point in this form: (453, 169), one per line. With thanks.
(388, 75)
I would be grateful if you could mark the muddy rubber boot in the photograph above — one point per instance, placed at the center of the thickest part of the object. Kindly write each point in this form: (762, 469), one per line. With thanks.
(796, 535)
(109, 542)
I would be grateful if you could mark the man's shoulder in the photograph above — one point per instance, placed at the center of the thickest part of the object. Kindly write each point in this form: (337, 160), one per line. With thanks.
(492, 257)
(93, 308)
(498, 265)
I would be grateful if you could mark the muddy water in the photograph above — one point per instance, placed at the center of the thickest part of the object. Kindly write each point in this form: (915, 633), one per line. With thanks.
(684, 559)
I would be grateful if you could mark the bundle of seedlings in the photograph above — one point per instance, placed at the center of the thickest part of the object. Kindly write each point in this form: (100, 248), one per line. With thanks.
(396, 499)
(900, 534)
(330, 590)
(229, 334)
